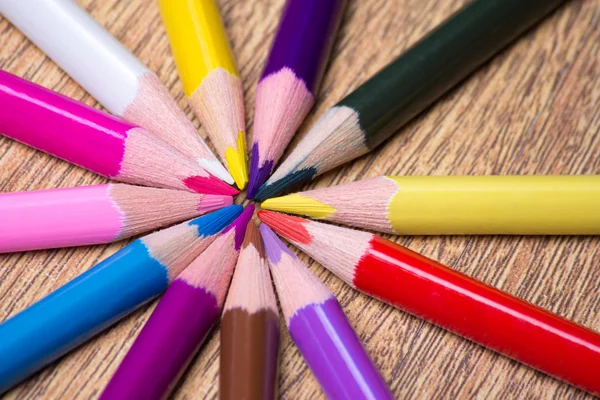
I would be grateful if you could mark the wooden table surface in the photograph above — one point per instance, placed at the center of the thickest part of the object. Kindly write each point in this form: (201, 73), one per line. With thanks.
(535, 109)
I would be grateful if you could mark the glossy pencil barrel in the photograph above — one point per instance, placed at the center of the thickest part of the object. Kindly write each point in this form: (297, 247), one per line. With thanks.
(304, 39)
(335, 354)
(62, 126)
(77, 311)
(456, 205)
(480, 312)
(439, 61)
(177, 327)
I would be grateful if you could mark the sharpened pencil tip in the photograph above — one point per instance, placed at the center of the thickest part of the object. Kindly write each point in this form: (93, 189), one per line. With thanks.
(258, 173)
(274, 247)
(211, 202)
(240, 225)
(271, 189)
(290, 227)
(299, 204)
(213, 166)
(216, 221)
(237, 163)
(209, 185)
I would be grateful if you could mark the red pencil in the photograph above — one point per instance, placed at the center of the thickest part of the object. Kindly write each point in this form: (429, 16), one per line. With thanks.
(454, 301)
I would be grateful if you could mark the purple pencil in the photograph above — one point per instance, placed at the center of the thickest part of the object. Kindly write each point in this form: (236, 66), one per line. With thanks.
(318, 326)
(286, 90)
(181, 321)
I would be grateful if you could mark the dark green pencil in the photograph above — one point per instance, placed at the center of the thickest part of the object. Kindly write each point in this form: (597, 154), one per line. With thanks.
(411, 83)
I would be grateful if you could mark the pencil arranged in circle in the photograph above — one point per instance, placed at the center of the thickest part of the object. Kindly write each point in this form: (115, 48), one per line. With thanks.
(110, 73)
(78, 216)
(456, 205)
(319, 327)
(407, 86)
(85, 306)
(249, 328)
(210, 78)
(96, 140)
(180, 322)
(436, 293)
(288, 85)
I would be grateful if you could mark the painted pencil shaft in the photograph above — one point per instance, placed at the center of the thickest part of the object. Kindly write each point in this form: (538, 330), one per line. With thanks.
(209, 76)
(109, 72)
(98, 298)
(447, 298)
(292, 75)
(180, 322)
(96, 140)
(403, 89)
(43, 219)
(249, 328)
(451, 205)
(320, 329)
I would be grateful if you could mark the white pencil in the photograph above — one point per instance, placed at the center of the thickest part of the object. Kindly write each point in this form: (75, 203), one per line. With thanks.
(109, 72)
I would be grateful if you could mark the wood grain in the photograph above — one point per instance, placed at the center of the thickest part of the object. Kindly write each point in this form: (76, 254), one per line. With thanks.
(533, 109)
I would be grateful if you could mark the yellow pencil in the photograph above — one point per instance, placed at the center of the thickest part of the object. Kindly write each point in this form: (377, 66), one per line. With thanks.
(443, 205)
(210, 78)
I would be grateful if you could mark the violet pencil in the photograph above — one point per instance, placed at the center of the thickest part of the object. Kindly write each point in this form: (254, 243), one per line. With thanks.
(180, 322)
(288, 85)
(320, 329)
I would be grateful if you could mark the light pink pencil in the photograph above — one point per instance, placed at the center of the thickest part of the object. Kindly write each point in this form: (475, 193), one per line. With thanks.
(43, 219)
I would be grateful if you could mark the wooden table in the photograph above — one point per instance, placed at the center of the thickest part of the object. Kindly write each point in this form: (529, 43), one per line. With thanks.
(535, 109)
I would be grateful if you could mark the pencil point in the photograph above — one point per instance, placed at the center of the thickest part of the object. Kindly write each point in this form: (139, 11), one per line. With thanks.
(211, 202)
(209, 185)
(236, 161)
(216, 221)
(298, 204)
(213, 166)
(274, 247)
(240, 225)
(272, 189)
(290, 227)
(258, 174)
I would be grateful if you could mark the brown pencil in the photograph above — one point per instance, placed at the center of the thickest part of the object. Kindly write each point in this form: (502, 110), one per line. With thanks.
(249, 328)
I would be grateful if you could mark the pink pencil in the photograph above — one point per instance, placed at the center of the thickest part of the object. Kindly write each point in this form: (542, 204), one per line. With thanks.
(44, 219)
(96, 140)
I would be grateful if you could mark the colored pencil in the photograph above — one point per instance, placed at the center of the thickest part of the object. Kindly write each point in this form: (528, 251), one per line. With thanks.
(78, 216)
(249, 328)
(465, 306)
(180, 322)
(319, 327)
(456, 205)
(210, 78)
(110, 73)
(288, 85)
(403, 89)
(96, 140)
(74, 313)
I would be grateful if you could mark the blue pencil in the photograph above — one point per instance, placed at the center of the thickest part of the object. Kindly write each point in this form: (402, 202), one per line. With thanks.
(101, 296)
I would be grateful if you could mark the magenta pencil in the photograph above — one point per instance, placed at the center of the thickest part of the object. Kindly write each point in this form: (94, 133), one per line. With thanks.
(181, 321)
(78, 216)
(292, 75)
(95, 140)
(319, 327)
